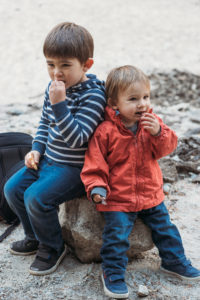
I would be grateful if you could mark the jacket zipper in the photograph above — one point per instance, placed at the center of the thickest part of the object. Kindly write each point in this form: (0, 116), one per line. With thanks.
(136, 167)
(136, 193)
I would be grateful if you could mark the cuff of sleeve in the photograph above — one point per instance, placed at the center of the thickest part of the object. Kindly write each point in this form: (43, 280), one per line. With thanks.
(98, 190)
(59, 110)
(38, 147)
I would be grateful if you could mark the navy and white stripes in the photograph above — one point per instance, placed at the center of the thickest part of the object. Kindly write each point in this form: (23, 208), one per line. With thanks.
(66, 127)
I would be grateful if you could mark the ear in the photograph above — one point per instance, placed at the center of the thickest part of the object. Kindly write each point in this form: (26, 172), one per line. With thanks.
(111, 103)
(88, 64)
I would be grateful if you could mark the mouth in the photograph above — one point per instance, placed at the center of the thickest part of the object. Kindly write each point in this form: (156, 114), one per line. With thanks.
(140, 113)
(61, 80)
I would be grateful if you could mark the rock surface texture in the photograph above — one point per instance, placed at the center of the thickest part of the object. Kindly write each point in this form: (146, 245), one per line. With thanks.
(82, 229)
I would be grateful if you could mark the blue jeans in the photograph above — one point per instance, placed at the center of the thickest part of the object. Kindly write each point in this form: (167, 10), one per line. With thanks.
(35, 196)
(118, 227)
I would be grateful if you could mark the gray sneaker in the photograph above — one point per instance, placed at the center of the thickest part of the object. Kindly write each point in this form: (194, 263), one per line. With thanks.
(24, 247)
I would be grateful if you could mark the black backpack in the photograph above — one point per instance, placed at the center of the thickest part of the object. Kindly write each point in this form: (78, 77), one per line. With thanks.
(13, 148)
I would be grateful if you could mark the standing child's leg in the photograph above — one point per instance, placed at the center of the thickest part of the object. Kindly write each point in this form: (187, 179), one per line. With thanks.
(167, 239)
(113, 252)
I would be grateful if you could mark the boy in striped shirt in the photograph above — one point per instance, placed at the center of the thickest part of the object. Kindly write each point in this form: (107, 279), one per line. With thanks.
(73, 107)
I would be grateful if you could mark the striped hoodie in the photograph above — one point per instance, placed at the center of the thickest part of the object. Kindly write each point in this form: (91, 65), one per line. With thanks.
(65, 127)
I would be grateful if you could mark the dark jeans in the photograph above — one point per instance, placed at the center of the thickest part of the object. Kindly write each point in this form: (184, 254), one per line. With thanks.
(118, 227)
(35, 195)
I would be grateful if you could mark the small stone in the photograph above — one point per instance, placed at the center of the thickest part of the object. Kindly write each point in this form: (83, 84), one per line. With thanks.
(143, 291)
(14, 112)
(167, 188)
(196, 179)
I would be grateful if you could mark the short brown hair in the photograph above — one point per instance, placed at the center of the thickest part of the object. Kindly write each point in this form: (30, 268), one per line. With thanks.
(119, 79)
(69, 40)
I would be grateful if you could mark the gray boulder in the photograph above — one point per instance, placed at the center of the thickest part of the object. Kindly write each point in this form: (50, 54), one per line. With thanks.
(82, 228)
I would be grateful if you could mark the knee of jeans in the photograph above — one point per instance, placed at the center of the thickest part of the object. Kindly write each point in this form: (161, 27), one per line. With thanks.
(34, 203)
(30, 201)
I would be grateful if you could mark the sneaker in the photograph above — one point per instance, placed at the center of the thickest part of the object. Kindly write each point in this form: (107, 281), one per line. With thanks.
(47, 260)
(114, 286)
(24, 247)
(183, 271)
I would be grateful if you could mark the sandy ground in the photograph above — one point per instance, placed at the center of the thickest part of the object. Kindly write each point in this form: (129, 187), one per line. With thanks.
(151, 34)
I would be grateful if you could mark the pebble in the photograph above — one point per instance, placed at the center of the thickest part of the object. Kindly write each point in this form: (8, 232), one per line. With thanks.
(143, 291)
(167, 188)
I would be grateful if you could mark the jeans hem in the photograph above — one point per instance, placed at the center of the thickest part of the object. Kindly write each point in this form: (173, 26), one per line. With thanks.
(177, 261)
(113, 272)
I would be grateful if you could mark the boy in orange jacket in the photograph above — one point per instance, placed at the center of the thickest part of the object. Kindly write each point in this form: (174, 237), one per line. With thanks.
(122, 176)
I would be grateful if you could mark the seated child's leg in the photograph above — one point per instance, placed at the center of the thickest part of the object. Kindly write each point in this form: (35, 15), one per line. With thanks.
(14, 193)
(56, 184)
(167, 239)
(113, 252)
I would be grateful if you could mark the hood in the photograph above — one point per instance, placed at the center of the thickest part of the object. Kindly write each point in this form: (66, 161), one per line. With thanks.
(111, 115)
(114, 116)
(92, 83)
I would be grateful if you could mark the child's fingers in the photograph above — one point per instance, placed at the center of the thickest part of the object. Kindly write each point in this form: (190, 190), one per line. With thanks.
(148, 114)
(149, 117)
(97, 198)
(57, 83)
(148, 127)
(32, 161)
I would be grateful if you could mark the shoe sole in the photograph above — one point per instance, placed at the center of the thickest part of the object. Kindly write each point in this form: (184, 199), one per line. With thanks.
(22, 253)
(49, 271)
(110, 294)
(180, 276)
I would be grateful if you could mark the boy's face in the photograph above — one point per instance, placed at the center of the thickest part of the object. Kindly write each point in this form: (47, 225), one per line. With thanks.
(133, 102)
(68, 70)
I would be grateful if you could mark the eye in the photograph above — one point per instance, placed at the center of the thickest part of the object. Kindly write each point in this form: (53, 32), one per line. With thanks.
(133, 99)
(146, 97)
(50, 65)
(65, 65)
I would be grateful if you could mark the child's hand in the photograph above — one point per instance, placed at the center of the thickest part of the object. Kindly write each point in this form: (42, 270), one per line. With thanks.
(57, 92)
(32, 159)
(150, 123)
(99, 199)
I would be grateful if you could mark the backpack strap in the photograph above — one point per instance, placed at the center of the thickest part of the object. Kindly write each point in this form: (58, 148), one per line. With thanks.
(8, 231)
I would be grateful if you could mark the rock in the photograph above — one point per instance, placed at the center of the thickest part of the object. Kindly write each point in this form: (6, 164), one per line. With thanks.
(82, 228)
(168, 168)
(187, 166)
(143, 291)
(175, 87)
(196, 179)
(167, 188)
(188, 155)
(194, 117)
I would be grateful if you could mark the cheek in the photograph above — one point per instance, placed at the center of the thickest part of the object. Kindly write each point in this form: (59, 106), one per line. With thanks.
(51, 74)
(148, 104)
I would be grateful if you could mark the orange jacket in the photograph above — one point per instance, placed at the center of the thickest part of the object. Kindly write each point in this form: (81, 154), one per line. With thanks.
(126, 164)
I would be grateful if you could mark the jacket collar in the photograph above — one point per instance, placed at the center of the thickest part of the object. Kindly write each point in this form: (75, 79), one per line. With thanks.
(113, 116)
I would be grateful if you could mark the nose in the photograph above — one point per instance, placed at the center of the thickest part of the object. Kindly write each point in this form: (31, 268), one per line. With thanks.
(57, 73)
(141, 102)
